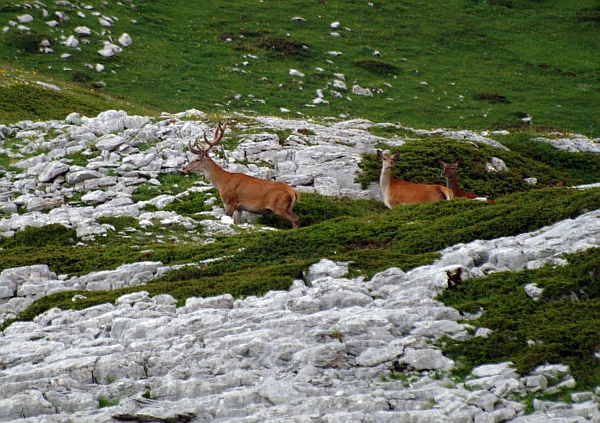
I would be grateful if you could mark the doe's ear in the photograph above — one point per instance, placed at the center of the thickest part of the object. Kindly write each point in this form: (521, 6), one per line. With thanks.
(458, 162)
(379, 153)
(440, 161)
(396, 155)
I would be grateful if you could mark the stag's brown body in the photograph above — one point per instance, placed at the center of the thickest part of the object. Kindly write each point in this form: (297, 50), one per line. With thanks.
(240, 192)
(449, 172)
(397, 192)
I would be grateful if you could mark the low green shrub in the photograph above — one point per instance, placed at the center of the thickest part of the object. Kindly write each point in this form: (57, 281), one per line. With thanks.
(48, 236)
(28, 42)
(563, 326)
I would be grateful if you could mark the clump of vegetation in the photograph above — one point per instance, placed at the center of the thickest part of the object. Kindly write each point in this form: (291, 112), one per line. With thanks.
(103, 402)
(314, 209)
(194, 202)
(305, 131)
(283, 135)
(284, 47)
(564, 324)
(491, 97)
(46, 236)
(81, 77)
(589, 14)
(28, 42)
(577, 168)
(376, 66)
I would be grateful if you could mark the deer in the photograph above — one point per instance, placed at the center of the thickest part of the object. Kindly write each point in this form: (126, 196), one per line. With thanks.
(240, 192)
(397, 192)
(449, 172)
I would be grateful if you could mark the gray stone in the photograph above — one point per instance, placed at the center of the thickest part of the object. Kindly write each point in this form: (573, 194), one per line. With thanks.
(218, 302)
(426, 359)
(94, 197)
(53, 170)
(82, 175)
(110, 142)
(533, 291)
(325, 268)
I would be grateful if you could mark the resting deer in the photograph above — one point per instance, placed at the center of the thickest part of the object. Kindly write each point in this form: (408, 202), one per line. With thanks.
(241, 192)
(550, 184)
(449, 172)
(397, 192)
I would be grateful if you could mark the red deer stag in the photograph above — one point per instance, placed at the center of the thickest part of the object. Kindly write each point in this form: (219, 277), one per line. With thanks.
(397, 192)
(449, 172)
(241, 192)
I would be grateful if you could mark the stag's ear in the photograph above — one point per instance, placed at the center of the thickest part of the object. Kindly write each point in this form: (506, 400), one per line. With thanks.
(458, 162)
(379, 153)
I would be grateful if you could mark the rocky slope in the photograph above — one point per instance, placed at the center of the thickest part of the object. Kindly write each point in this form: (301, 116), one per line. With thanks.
(330, 349)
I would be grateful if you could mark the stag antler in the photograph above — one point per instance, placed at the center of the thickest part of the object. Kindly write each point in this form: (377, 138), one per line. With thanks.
(219, 131)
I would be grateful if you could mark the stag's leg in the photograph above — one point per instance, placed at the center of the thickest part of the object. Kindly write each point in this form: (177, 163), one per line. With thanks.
(294, 219)
(237, 217)
(230, 211)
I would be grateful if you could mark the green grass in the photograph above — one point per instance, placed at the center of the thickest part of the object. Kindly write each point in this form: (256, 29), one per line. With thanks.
(504, 59)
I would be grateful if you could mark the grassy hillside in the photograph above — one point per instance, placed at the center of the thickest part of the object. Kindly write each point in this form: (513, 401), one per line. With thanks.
(486, 64)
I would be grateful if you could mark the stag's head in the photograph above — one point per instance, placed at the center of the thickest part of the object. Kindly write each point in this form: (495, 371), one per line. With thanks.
(201, 163)
(388, 161)
(449, 169)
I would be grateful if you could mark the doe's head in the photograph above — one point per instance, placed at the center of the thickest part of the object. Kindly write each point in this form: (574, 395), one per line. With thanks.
(449, 169)
(388, 161)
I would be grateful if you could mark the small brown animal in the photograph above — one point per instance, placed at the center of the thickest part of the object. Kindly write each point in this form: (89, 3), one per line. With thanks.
(241, 192)
(558, 184)
(397, 192)
(449, 172)
(454, 279)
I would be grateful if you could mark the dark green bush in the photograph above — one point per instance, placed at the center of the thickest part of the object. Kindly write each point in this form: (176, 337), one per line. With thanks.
(28, 42)
(491, 97)
(376, 66)
(589, 14)
(46, 236)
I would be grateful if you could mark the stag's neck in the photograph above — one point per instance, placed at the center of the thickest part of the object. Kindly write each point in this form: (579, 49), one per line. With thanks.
(215, 174)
